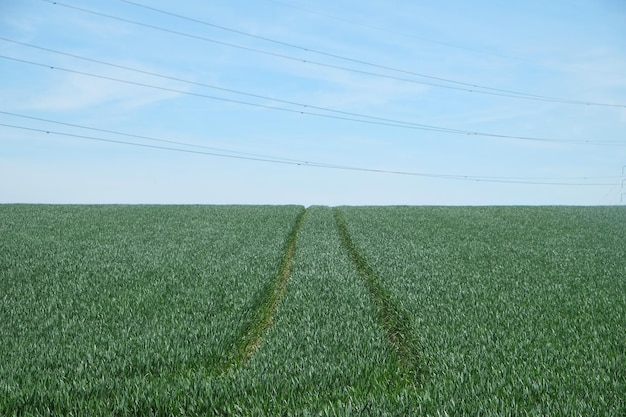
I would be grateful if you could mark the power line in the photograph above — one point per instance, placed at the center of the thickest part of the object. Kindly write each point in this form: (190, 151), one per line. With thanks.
(508, 93)
(507, 180)
(265, 106)
(468, 87)
(339, 115)
(282, 56)
(72, 135)
(262, 156)
(393, 32)
(150, 138)
(309, 106)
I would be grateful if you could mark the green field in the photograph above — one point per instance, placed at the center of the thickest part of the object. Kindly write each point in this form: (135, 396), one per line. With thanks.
(278, 310)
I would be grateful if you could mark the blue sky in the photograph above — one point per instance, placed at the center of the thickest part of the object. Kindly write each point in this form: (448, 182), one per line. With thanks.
(230, 87)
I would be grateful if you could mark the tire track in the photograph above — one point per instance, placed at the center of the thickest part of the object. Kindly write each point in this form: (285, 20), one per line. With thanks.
(391, 318)
(264, 309)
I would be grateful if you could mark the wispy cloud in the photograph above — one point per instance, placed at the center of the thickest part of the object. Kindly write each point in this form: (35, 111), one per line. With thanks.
(72, 91)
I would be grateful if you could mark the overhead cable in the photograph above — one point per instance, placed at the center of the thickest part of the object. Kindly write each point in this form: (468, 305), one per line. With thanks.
(153, 139)
(390, 31)
(229, 90)
(467, 87)
(508, 93)
(508, 180)
(255, 155)
(339, 115)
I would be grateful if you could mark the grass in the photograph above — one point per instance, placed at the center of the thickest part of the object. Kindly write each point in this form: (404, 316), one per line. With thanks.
(259, 310)
(325, 354)
(104, 305)
(521, 310)
(395, 322)
(268, 303)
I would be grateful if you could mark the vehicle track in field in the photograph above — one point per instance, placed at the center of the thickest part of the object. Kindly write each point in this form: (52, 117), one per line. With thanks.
(265, 308)
(394, 321)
